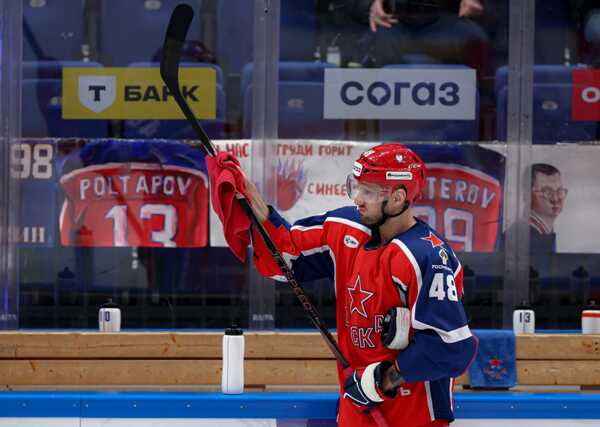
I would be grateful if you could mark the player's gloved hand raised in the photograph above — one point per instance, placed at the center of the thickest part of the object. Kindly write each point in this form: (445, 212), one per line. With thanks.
(395, 328)
(364, 386)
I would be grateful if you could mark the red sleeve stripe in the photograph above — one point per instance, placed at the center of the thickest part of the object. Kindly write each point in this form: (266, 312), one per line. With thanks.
(458, 270)
(309, 240)
(350, 224)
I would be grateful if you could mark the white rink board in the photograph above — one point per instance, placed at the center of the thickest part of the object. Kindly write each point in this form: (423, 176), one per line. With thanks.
(134, 422)
(40, 422)
(177, 422)
(225, 422)
(524, 423)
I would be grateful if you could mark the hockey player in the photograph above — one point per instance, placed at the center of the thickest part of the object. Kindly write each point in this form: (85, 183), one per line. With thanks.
(400, 320)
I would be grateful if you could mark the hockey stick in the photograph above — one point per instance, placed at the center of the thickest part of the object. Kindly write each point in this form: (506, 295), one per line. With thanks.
(169, 71)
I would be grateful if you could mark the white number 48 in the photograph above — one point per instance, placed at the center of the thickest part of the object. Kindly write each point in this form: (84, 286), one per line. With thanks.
(437, 289)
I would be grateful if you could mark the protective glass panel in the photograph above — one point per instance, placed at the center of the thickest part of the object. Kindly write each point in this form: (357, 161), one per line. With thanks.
(115, 197)
(356, 73)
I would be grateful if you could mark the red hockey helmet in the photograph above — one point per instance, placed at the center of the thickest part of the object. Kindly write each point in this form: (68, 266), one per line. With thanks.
(391, 165)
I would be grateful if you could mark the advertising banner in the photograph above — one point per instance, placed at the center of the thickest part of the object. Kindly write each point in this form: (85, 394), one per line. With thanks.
(586, 95)
(32, 163)
(400, 93)
(135, 93)
(155, 192)
(462, 197)
(566, 197)
(110, 193)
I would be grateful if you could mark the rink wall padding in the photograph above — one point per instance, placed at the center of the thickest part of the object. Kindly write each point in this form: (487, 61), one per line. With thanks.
(274, 360)
(272, 406)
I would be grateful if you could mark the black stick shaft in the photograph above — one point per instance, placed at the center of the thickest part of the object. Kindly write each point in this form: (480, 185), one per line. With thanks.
(299, 291)
(169, 71)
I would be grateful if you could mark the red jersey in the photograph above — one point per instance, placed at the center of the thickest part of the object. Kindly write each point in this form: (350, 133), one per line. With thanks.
(463, 204)
(462, 195)
(417, 269)
(135, 204)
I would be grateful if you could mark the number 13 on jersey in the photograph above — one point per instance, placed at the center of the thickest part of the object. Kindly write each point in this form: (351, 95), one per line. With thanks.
(163, 236)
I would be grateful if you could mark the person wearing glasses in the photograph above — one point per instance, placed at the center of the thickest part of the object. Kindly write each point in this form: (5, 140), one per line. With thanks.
(547, 201)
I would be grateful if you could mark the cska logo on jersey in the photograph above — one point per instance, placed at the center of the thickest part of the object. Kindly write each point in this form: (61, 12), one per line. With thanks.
(358, 297)
(361, 333)
(433, 239)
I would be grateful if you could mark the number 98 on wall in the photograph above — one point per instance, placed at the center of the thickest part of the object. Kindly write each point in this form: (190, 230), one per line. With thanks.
(31, 160)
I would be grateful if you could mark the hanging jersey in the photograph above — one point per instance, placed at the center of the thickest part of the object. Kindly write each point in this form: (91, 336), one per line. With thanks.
(114, 200)
(418, 270)
(462, 197)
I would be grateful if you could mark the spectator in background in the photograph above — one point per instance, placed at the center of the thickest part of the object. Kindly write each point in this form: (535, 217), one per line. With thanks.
(586, 14)
(591, 33)
(375, 33)
(421, 31)
(547, 201)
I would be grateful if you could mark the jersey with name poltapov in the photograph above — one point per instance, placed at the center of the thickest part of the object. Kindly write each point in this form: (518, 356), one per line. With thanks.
(151, 193)
(417, 269)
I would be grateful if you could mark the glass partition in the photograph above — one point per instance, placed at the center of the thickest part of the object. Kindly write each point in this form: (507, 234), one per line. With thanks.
(421, 73)
(499, 99)
(115, 190)
(563, 198)
(10, 67)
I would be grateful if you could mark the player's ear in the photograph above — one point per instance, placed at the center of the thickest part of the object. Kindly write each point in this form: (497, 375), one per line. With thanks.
(399, 194)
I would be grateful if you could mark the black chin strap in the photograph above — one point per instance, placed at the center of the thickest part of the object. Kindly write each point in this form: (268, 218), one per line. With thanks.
(375, 240)
(385, 217)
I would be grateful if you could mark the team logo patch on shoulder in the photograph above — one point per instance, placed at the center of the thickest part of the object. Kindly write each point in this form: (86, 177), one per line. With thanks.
(433, 239)
(444, 256)
(350, 241)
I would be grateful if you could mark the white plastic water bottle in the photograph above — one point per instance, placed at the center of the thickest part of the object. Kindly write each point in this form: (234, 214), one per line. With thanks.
(232, 380)
(334, 55)
(590, 319)
(109, 317)
(523, 320)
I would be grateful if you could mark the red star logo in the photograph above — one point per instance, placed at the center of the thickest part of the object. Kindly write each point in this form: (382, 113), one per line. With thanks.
(359, 296)
(495, 362)
(433, 239)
